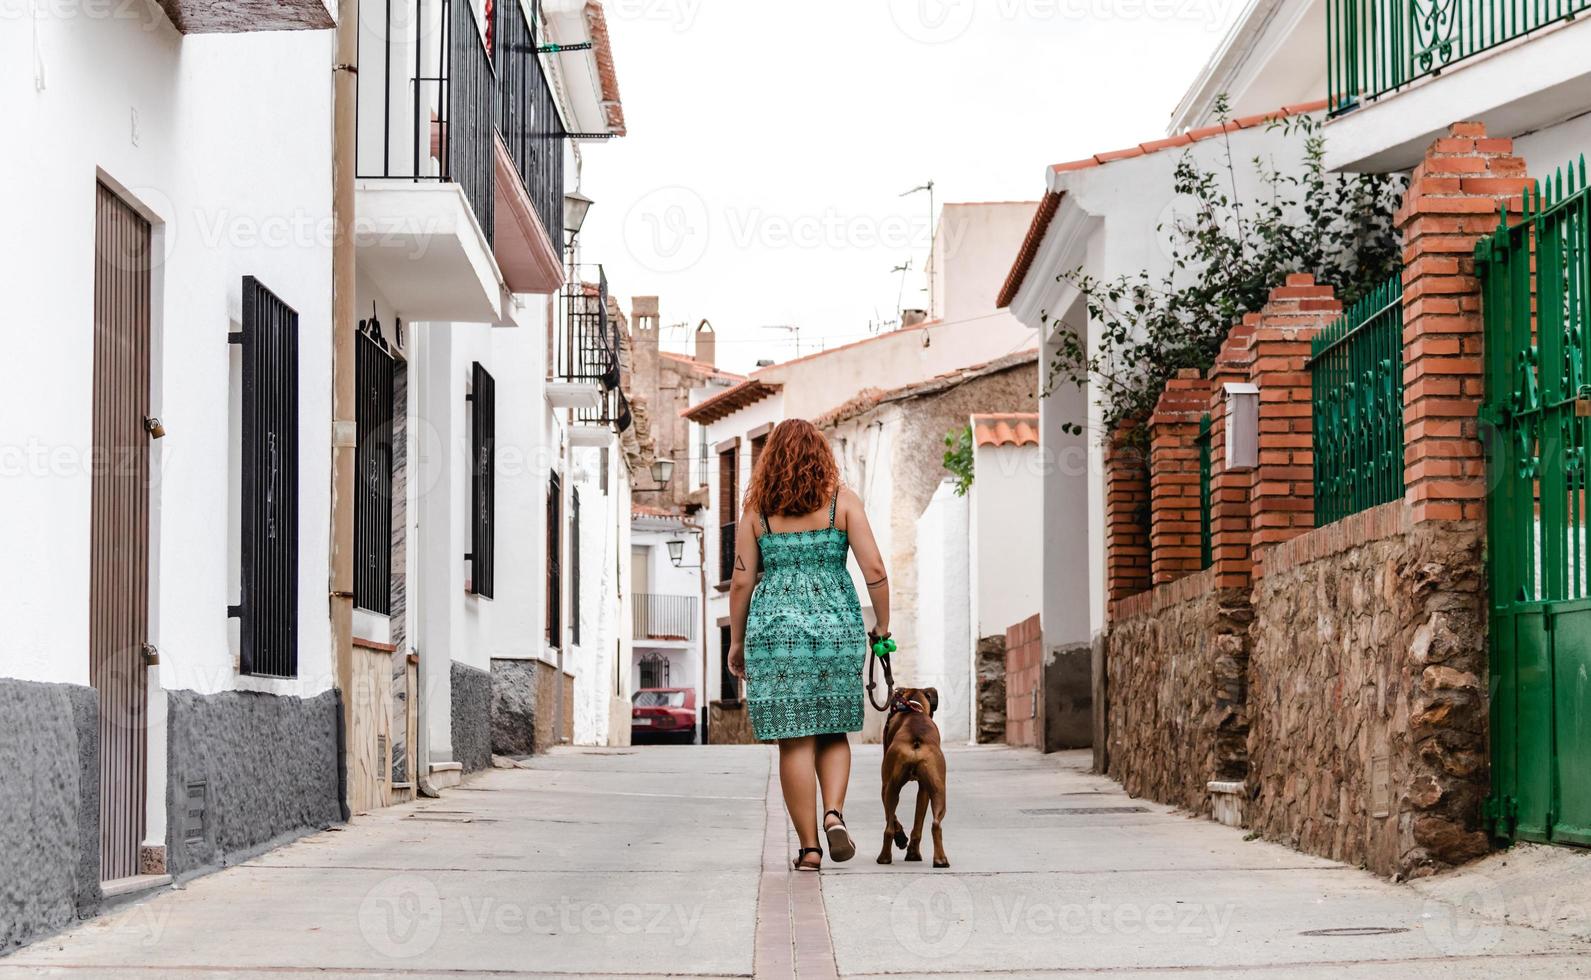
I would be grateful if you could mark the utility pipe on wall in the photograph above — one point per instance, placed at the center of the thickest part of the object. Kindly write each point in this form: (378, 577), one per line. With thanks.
(345, 95)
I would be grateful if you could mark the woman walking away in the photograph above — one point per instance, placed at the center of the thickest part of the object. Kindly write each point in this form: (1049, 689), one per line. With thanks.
(797, 635)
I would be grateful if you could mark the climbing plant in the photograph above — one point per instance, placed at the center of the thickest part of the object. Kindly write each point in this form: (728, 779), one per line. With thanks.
(1226, 254)
(958, 457)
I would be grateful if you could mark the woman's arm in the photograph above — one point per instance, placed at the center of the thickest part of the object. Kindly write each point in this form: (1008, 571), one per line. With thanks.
(741, 584)
(868, 559)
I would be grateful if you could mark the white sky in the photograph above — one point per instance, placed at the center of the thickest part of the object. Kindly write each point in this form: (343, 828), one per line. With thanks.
(769, 141)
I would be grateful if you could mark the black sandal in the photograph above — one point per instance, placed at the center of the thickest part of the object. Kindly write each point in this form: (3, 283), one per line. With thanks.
(799, 865)
(841, 847)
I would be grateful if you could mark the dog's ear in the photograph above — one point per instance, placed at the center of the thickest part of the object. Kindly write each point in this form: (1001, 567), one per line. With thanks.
(933, 699)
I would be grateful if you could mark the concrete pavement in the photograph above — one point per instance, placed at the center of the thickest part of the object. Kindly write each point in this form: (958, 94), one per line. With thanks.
(670, 861)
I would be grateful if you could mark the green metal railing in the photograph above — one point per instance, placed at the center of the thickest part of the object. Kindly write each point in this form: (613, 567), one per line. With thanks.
(1376, 46)
(1206, 549)
(1356, 378)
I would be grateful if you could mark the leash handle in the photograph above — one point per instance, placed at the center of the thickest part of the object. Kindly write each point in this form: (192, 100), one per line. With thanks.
(881, 647)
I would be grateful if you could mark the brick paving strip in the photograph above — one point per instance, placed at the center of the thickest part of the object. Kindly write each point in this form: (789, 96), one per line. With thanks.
(792, 926)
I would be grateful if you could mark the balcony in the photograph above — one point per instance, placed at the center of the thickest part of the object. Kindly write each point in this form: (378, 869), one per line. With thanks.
(1398, 71)
(667, 618)
(459, 159)
(586, 354)
(243, 16)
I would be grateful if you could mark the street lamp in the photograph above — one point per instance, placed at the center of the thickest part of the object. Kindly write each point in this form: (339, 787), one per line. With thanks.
(575, 206)
(676, 553)
(662, 470)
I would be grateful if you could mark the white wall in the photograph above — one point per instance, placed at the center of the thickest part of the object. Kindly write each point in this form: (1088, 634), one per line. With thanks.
(662, 578)
(1006, 504)
(599, 662)
(236, 177)
(945, 646)
(974, 245)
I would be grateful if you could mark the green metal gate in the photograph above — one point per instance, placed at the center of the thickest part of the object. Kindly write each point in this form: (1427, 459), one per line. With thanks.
(1536, 296)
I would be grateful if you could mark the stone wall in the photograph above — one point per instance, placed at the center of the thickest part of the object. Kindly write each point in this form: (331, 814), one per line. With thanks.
(247, 771)
(989, 726)
(524, 711)
(1368, 693)
(1175, 667)
(472, 717)
(49, 811)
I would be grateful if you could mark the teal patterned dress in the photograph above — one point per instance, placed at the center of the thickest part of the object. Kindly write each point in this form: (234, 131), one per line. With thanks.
(805, 639)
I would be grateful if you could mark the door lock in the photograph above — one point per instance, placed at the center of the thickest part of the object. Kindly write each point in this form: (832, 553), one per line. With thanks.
(151, 655)
(153, 426)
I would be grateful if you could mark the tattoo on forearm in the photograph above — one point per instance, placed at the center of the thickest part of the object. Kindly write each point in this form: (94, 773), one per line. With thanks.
(740, 563)
(880, 581)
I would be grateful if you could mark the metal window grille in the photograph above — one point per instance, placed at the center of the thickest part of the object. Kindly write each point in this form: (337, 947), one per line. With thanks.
(554, 572)
(1377, 46)
(574, 566)
(1356, 377)
(483, 478)
(268, 603)
(702, 455)
(373, 370)
(654, 670)
(431, 85)
(728, 683)
(1206, 549)
(728, 498)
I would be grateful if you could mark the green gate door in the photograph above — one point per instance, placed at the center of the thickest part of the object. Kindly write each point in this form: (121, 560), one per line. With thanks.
(1536, 298)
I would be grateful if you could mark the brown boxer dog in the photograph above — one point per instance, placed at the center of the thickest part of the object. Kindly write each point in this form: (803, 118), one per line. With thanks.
(912, 753)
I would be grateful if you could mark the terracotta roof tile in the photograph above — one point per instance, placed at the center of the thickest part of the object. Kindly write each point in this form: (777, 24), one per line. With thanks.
(1047, 207)
(602, 48)
(1012, 429)
(730, 400)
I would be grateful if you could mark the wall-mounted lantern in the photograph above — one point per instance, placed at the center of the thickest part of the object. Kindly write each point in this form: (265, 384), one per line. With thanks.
(1242, 425)
(676, 554)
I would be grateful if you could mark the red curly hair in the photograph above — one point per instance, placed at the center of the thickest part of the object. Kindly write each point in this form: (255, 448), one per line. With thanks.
(795, 472)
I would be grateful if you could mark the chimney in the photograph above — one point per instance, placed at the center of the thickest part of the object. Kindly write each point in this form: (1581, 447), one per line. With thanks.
(706, 344)
(911, 318)
(643, 312)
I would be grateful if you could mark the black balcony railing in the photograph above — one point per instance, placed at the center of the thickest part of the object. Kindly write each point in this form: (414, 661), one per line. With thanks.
(431, 97)
(663, 617)
(528, 117)
(589, 346)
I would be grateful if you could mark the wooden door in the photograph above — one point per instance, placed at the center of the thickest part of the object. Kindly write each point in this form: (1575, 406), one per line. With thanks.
(119, 526)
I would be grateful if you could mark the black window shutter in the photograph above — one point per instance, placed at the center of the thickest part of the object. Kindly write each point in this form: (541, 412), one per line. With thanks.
(268, 604)
(574, 567)
(373, 491)
(483, 443)
(728, 683)
(554, 574)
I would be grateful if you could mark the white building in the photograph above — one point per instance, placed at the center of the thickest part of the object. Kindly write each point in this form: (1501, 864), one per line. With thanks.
(1106, 217)
(669, 631)
(169, 424)
(1525, 73)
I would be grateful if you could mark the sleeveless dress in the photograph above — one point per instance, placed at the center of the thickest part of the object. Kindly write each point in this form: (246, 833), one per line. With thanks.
(805, 639)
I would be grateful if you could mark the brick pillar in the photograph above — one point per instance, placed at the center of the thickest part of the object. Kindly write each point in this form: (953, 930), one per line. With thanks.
(1282, 498)
(1229, 491)
(1126, 515)
(1452, 201)
(1174, 478)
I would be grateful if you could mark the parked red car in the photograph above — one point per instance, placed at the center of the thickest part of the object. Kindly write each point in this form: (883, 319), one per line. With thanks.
(663, 713)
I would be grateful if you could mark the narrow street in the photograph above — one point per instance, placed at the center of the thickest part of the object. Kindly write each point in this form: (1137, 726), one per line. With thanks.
(663, 861)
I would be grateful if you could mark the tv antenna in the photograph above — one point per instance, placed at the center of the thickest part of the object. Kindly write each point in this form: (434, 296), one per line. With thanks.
(932, 214)
(792, 330)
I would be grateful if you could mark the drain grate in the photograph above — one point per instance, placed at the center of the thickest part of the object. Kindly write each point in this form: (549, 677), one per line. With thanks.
(1078, 811)
(1350, 931)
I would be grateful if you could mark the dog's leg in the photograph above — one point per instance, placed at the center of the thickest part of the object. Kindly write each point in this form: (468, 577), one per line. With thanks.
(891, 825)
(940, 861)
(914, 848)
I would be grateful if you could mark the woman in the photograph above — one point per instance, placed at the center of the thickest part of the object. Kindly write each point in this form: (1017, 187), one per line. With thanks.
(797, 636)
